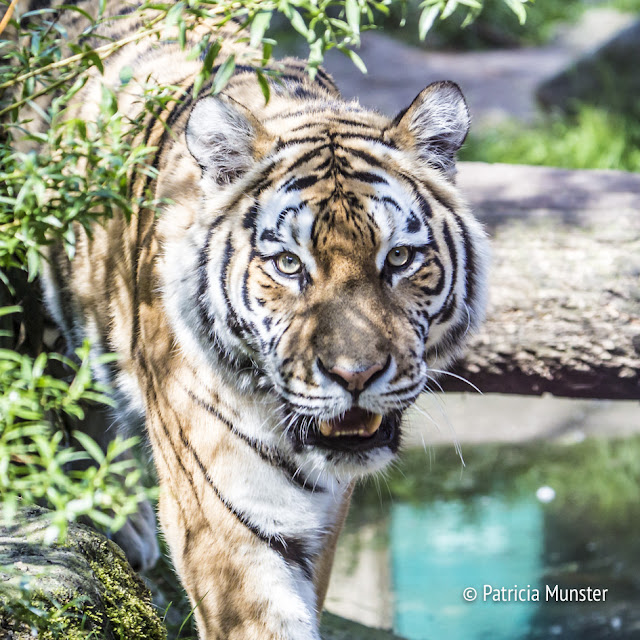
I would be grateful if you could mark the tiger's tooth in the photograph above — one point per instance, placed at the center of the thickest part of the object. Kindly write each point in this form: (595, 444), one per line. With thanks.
(325, 428)
(374, 424)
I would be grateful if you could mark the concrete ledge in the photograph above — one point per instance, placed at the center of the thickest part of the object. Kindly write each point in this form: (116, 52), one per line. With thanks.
(564, 315)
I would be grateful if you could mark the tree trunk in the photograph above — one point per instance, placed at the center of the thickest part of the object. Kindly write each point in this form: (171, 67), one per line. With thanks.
(564, 313)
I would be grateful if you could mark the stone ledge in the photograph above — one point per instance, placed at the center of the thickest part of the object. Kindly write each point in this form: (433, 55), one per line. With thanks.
(564, 283)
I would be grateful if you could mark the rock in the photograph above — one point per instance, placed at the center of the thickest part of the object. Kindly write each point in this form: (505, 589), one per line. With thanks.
(71, 590)
(608, 77)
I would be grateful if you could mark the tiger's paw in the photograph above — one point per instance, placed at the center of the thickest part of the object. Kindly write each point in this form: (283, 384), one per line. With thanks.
(138, 538)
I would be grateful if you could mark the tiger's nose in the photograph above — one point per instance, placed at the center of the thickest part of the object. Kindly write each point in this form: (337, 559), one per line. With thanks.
(354, 380)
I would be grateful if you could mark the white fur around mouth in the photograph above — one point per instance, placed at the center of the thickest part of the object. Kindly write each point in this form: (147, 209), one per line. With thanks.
(355, 422)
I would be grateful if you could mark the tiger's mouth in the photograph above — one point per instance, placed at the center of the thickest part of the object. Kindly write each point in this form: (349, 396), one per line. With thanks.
(356, 430)
(355, 422)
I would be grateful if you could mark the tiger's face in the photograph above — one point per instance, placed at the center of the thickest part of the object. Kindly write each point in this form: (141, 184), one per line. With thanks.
(336, 284)
(338, 265)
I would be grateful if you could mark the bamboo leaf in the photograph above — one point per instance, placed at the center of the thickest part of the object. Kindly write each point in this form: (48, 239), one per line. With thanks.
(427, 18)
(298, 23)
(224, 74)
(352, 10)
(355, 58)
(90, 446)
(450, 7)
(264, 86)
(259, 26)
(517, 6)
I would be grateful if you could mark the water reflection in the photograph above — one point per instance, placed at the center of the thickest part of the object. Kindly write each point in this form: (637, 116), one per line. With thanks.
(531, 516)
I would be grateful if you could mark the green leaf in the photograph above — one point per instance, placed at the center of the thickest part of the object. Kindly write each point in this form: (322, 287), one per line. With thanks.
(72, 7)
(96, 61)
(298, 23)
(224, 74)
(211, 55)
(355, 58)
(264, 86)
(126, 73)
(450, 7)
(427, 18)
(471, 16)
(70, 242)
(267, 50)
(5, 311)
(197, 83)
(101, 518)
(352, 10)
(259, 26)
(33, 263)
(39, 364)
(315, 55)
(90, 446)
(517, 6)
(182, 34)
(174, 14)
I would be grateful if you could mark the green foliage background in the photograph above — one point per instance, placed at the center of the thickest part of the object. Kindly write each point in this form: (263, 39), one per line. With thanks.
(594, 138)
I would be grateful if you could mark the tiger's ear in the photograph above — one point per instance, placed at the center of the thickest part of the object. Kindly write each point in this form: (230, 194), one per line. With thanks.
(436, 124)
(224, 138)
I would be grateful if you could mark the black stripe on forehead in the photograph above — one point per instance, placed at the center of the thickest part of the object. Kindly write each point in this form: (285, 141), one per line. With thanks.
(298, 184)
(306, 157)
(291, 142)
(361, 136)
(363, 155)
(366, 176)
(425, 208)
(270, 235)
(412, 224)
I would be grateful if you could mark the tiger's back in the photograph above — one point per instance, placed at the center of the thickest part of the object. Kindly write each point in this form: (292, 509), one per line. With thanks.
(310, 266)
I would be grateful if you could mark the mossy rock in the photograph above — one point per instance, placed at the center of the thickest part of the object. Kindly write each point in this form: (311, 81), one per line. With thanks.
(336, 628)
(72, 591)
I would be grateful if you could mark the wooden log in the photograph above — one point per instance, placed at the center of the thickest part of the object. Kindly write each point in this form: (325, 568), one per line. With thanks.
(564, 313)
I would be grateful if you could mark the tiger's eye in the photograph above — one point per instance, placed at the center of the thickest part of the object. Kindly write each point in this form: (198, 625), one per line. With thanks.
(288, 264)
(399, 257)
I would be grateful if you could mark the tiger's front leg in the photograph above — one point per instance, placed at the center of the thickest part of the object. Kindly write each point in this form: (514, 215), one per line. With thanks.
(251, 543)
(239, 587)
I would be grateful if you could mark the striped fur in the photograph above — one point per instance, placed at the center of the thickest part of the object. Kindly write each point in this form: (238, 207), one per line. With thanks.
(226, 359)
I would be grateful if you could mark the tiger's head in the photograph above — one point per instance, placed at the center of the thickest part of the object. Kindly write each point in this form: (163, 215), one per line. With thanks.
(334, 264)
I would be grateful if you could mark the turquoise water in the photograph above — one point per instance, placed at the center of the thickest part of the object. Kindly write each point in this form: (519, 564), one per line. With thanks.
(439, 549)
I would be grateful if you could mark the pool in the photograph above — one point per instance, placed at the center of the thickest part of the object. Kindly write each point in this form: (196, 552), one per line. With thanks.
(548, 536)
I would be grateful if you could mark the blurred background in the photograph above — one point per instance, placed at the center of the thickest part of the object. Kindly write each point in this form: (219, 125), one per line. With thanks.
(507, 490)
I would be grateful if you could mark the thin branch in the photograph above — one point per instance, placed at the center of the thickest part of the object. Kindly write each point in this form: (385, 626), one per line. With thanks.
(7, 16)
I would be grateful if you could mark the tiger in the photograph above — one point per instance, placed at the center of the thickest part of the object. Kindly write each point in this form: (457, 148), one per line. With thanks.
(309, 271)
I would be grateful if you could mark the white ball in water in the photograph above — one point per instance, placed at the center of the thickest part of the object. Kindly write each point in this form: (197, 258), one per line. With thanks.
(546, 494)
